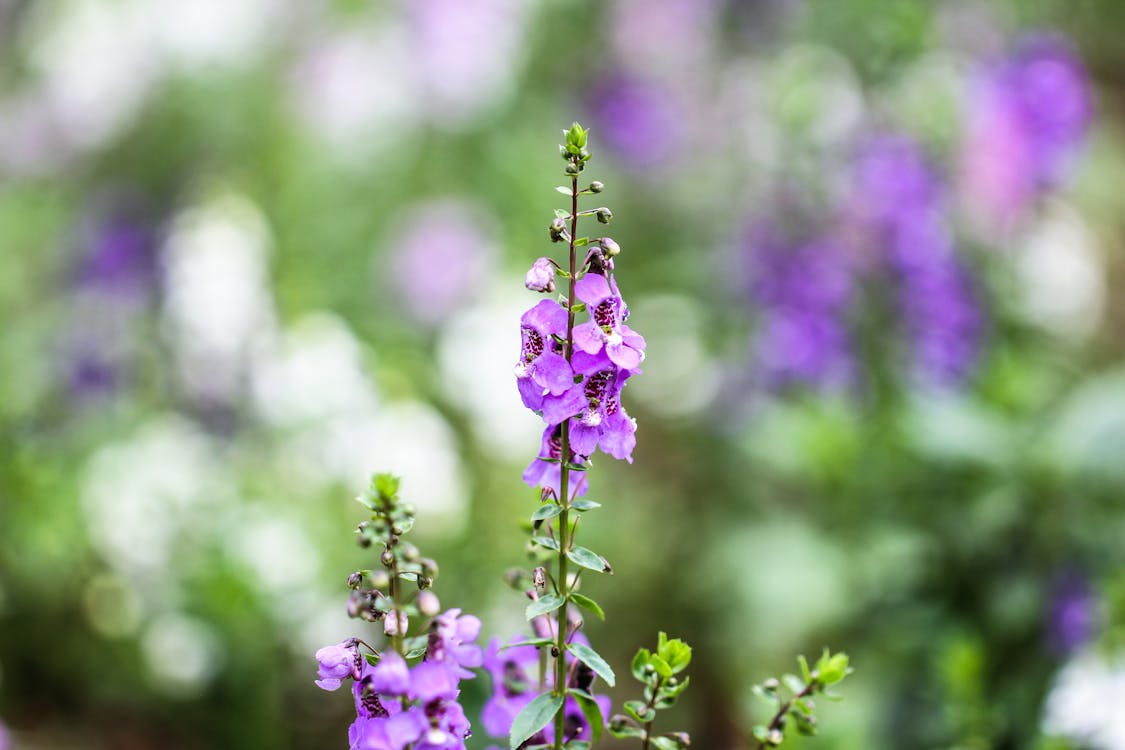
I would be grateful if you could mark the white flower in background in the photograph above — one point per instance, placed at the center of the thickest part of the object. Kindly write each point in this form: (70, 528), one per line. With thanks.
(145, 495)
(201, 33)
(312, 371)
(465, 55)
(275, 549)
(680, 377)
(182, 653)
(217, 293)
(1062, 279)
(1085, 703)
(352, 89)
(475, 355)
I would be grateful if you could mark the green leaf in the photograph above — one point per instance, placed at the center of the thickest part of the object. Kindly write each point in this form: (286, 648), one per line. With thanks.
(593, 660)
(675, 652)
(385, 484)
(578, 307)
(584, 505)
(661, 666)
(640, 711)
(793, 682)
(529, 642)
(563, 189)
(546, 511)
(640, 661)
(548, 603)
(533, 717)
(586, 602)
(587, 559)
(561, 213)
(805, 673)
(546, 542)
(666, 742)
(620, 728)
(581, 241)
(414, 653)
(591, 710)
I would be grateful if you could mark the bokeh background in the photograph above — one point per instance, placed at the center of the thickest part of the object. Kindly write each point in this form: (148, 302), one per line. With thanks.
(253, 250)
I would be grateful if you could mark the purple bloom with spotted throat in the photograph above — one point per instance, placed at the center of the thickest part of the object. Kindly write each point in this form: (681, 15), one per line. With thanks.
(603, 422)
(544, 376)
(606, 330)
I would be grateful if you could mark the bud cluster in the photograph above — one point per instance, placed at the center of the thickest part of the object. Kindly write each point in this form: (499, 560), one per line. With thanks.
(657, 671)
(799, 710)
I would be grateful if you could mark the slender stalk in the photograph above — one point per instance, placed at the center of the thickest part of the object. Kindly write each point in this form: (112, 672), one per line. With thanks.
(651, 704)
(783, 709)
(564, 482)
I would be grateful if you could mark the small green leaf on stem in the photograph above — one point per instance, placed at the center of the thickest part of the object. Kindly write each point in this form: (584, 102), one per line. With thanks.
(593, 660)
(533, 717)
(543, 605)
(587, 603)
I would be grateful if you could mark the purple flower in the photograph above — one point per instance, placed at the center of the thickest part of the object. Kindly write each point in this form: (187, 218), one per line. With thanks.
(604, 422)
(391, 675)
(544, 377)
(431, 681)
(1030, 113)
(541, 276)
(548, 474)
(451, 641)
(803, 291)
(1071, 612)
(638, 119)
(337, 663)
(606, 330)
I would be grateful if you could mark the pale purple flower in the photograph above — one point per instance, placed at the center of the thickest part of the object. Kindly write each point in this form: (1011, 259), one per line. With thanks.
(1071, 612)
(544, 377)
(541, 276)
(637, 119)
(1029, 114)
(606, 330)
(439, 259)
(336, 663)
(452, 639)
(390, 676)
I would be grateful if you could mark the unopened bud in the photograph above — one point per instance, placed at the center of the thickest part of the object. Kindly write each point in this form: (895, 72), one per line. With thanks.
(396, 623)
(596, 187)
(387, 558)
(682, 738)
(409, 551)
(556, 230)
(380, 579)
(618, 723)
(541, 277)
(539, 577)
(609, 246)
(428, 603)
(355, 579)
(572, 169)
(605, 215)
(771, 684)
(774, 737)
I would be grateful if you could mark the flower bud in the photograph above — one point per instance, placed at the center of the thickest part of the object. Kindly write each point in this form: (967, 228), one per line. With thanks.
(409, 551)
(774, 737)
(605, 215)
(396, 623)
(387, 558)
(380, 579)
(572, 169)
(556, 230)
(596, 187)
(428, 603)
(771, 684)
(609, 247)
(541, 276)
(355, 579)
(618, 723)
(539, 577)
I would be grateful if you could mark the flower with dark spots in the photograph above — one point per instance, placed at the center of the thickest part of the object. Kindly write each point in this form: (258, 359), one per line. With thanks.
(541, 276)
(548, 473)
(606, 330)
(544, 377)
(602, 422)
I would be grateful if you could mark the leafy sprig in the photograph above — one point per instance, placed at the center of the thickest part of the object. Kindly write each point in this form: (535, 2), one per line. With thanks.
(658, 671)
(798, 709)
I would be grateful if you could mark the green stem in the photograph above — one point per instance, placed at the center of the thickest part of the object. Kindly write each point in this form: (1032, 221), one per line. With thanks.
(564, 483)
(783, 709)
(651, 704)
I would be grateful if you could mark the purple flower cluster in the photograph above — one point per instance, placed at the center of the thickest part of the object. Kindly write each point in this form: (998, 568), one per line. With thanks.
(899, 202)
(584, 388)
(803, 291)
(398, 706)
(514, 670)
(1029, 115)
